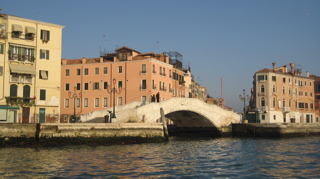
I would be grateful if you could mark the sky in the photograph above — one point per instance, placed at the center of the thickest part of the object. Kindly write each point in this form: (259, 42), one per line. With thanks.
(221, 40)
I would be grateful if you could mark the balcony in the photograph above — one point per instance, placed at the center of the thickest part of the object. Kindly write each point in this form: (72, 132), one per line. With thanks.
(262, 109)
(20, 79)
(286, 109)
(21, 58)
(20, 101)
(261, 94)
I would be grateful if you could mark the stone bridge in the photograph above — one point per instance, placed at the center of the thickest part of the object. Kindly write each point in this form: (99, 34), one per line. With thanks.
(183, 112)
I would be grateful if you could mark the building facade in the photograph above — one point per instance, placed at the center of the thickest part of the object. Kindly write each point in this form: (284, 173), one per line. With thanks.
(317, 95)
(30, 54)
(93, 84)
(280, 95)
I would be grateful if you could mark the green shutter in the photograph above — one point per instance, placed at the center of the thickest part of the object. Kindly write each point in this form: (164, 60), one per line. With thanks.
(47, 54)
(1, 48)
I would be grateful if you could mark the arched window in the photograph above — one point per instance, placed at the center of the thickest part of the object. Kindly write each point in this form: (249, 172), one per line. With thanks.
(263, 102)
(13, 92)
(26, 93)
(274, 88)
(284, 103)
(262, 89)
(289, 90)
(274, 102)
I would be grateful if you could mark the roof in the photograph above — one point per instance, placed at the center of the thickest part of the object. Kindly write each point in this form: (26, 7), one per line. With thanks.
(125, 47)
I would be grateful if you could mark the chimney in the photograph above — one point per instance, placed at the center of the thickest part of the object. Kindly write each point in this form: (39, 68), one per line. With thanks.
(307, 74)
(84, 60)
(64, 61)
(292, 68)
(285, 69)
(101, 59)
(274, 66)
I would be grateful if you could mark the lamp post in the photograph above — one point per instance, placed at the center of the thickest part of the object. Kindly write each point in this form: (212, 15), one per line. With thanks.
(244, 98)
(113, 90)
(74, 96)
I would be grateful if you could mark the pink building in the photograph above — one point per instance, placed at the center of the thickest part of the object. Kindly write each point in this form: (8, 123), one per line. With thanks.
(136, 77)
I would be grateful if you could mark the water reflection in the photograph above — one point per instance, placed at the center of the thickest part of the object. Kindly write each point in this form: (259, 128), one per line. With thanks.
(181, 157)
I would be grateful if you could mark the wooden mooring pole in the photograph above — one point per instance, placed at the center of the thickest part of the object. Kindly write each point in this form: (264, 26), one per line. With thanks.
(164, 122)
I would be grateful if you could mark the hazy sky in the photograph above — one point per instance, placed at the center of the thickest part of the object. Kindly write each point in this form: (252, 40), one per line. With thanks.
(229, 39)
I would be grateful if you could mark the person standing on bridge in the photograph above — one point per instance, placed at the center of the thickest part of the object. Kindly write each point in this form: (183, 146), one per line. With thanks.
(158, 97)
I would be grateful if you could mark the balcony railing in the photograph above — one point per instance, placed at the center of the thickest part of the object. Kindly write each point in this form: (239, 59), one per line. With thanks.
(20, 79)
(21, 58)
(286, 109)
(20, 101)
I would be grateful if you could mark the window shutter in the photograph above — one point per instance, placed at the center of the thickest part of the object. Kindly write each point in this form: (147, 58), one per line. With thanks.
(41, 35)
(47, 54)
(48, 35)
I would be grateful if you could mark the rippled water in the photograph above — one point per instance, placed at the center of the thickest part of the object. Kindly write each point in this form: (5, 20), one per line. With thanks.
(179, 158)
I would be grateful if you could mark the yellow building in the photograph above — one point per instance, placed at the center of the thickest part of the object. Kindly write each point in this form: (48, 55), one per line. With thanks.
(281, 95)
(30, 63)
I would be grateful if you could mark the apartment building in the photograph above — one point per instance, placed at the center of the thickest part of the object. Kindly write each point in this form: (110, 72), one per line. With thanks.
(317, 95)
(30, 54)
(122, 77)
(280, 95)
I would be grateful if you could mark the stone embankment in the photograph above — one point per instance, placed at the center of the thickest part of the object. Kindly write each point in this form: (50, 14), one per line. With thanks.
(52, 134)
(276, 130)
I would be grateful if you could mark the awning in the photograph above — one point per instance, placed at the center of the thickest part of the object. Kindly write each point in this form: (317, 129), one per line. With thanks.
(30, 30)
(9, 107)
(16, 27)
(24, 69)
(43, 75)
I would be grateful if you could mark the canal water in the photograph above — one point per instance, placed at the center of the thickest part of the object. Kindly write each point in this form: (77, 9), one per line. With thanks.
(179, 158)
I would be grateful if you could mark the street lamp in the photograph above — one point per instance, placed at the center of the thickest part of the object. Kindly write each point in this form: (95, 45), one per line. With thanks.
(244, 98)
(114, 90)
(74, 96)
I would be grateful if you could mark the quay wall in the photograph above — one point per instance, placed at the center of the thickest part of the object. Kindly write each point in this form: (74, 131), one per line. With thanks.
(275, 129)
(81, 130)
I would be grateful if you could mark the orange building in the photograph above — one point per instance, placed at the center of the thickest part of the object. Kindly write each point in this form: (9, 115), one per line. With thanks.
(281, 95)
(87, 84)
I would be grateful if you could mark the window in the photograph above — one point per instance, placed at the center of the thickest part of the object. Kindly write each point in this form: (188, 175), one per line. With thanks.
(96, 71)
(119, 69)
(1, 48)
(78, 102)
(283, 80)
(85, 102)
(273, 88)
(67, 87)
(95, 85)
(86, 86)
(119, 101)
(105, 102)
(43, 74)
(263, 102)
(311, 105)
(144, 85)
(263, 117)
(306, 105)
(283, 103)
(66, 103)
(105, 70)
(44, 54)
(78, 71)
(262, 77)
(301, 105)
(153, 69)
(1, 70)
(160, 70)
(283, 90)
(16, 31)
(86, 71)
(30, 32)
(289, 90)
(274, 117)
(17, 53)
(67, 72)
(105, 85)
(42, 94)
(96, 102)
(45, 35)
(164, 72)
(143, 68)
(78, 86)
(274, 102)
(119, 84)
(262, 89)
(153, 85)
(274, 78)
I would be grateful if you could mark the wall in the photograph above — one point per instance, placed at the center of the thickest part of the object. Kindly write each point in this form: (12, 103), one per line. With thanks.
(275, 130)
